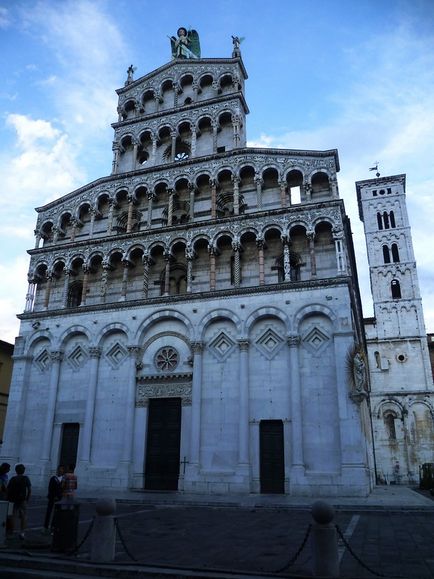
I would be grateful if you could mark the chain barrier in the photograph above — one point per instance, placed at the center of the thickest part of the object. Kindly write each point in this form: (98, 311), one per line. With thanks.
(298, 553)
(356, 557)
(127, 551)
(86, 536)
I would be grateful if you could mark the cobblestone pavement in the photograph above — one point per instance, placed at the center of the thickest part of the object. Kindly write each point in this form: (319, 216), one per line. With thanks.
(396, 543)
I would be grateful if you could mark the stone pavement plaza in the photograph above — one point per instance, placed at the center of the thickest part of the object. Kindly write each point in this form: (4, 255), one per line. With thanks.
(174, 534)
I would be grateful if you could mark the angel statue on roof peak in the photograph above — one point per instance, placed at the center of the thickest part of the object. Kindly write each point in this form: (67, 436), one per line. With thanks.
(187, 44)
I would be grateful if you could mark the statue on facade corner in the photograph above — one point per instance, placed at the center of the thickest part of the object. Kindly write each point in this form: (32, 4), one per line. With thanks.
(187, 44)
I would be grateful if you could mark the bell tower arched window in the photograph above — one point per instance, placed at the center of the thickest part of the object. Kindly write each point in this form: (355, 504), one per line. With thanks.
(395, 288)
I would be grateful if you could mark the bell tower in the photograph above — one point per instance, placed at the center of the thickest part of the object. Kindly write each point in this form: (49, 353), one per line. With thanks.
(401, 378)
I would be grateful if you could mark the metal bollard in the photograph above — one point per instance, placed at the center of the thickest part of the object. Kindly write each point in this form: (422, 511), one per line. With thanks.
(103, 537)
(324, 541)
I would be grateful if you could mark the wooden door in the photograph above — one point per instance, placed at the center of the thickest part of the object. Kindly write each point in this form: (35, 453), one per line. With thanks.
(163, 444)
(271, 451)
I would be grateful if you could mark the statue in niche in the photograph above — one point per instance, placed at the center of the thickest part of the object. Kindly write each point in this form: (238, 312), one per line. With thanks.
(359, 373)
(187, 44)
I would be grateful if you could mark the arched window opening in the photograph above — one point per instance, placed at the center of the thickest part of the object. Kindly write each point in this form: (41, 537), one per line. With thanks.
(386, 220)
(74, 294)
(395, 289)
(295, 263)
(377, 359)
(379, 221)
(389, 423)
(395, 253)
(386, 254)
(294, 181)
(392, 219)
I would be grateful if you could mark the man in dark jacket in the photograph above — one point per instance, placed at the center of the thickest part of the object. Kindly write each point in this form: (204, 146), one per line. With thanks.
(54, 495)
(19, 491)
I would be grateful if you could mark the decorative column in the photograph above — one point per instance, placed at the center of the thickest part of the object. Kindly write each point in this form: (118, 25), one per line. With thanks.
(236, 131)
(48, 289)
(237, 263)
(215, 127)
(212, 277)
(308, 191)
(243, 437)
(86, 270)
(146, 263)
(311, 238)
(135, 146)
(176, 90)
(286, 259)
(127, 449)
(126, 265)
(167, 274)
(37, 238)
(56, 231)
(86, 441)
(193, 141)
(334, 186)
(283, 188)
(67, 273)
(236, 185)
(196, 400)
(115, 149)
(154, 149)
(259, 182)
(74, 225)
(130, 212)
(151, 197)
(295, 410)
(93, 212)
(173, 150)
(189, 254)
(192, 189)
(340, 253)
(104, 278)
(112, 204)
(56, 358)
(213, 185)
(30, 295)
(195, 88)
(260, 246)
(170, 193)
(157, 99)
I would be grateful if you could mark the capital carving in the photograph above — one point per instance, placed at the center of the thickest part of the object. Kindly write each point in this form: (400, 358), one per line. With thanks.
(293, 341)
(197, 347)
(95, 352)
(56, 356)
(243, 345)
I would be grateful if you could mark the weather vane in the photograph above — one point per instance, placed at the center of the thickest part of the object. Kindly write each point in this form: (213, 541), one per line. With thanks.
(375, 168)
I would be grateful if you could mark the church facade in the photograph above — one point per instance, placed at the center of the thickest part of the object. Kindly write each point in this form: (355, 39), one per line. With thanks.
(193, 320)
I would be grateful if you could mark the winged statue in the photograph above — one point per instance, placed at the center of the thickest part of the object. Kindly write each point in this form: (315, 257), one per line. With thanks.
(187, 44)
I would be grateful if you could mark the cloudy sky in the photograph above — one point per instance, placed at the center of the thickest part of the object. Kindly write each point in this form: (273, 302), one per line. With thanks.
(356, 75)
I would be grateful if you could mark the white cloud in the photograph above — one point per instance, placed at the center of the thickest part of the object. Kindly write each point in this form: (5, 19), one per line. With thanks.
(12, 296)
(4, 17)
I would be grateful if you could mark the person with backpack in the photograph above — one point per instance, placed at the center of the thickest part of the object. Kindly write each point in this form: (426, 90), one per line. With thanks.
(19, 491)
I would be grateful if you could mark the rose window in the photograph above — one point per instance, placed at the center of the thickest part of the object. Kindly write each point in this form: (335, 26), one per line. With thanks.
(166, 359)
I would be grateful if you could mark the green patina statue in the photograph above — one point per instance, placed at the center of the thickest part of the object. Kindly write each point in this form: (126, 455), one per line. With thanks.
(187, 44)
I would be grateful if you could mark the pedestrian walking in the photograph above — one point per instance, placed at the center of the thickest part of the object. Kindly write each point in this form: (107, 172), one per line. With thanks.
(54, 495)
(69, 483)
(19, 491)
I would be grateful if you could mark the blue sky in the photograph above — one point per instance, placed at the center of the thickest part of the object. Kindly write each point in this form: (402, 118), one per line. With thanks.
(353, 75)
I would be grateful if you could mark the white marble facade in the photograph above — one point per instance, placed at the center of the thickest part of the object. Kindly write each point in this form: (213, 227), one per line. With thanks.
(204, 272)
